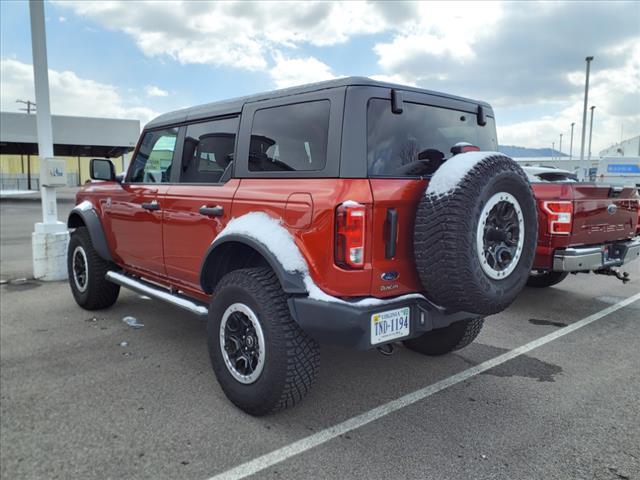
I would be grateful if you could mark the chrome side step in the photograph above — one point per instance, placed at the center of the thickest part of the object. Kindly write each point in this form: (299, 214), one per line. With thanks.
(154, 291)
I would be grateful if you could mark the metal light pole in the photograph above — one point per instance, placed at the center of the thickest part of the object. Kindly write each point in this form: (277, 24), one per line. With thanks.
(560, 148)
(593, 107)
(553, 150)
(571, 142)
(49, 239)
(584, 112)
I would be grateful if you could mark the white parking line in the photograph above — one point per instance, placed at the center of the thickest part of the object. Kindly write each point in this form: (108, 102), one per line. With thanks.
(265, 461)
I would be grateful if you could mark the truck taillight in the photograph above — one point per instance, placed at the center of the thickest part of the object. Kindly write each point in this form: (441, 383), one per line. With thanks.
(559, 217)
(351, 221)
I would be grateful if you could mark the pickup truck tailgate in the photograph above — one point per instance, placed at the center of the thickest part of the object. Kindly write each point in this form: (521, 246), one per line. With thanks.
(603, 213)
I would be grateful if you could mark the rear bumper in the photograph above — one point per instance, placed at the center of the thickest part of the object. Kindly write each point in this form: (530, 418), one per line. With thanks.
(348, 324)
(596, 257)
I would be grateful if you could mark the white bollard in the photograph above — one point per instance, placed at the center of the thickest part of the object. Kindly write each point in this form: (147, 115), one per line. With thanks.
(49, 247)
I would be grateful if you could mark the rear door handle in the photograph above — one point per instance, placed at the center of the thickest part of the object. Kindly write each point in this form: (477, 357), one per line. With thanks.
(154, 205)
(216, 211)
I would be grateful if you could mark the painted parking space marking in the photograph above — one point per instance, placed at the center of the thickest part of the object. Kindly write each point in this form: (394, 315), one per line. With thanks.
(300, 446)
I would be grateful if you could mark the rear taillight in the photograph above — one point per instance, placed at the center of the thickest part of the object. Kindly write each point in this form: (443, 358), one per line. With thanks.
(351, 219)
(559, 217)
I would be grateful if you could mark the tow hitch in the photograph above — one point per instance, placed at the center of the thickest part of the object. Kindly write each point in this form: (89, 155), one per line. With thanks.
(612, 272)
(386, 350)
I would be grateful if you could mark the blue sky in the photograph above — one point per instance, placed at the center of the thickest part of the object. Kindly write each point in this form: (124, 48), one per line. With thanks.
(136, 60)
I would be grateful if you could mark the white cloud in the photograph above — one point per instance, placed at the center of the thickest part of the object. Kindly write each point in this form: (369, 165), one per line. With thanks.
(235, 34)
(62, 19)
(154, 91)
(288, 72)
(70, 94)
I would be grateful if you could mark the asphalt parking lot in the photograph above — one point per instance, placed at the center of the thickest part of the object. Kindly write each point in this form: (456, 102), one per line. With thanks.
(76, 404)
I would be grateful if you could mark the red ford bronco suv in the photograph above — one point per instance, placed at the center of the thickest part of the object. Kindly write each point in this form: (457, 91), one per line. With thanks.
(350, 212)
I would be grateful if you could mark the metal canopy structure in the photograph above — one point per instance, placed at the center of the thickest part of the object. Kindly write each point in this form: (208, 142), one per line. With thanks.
(72, 136)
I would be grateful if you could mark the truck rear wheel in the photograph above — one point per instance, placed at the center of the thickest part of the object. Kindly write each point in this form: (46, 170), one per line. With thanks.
(444, 340)
(86, 271)
(540, 279)
(262, 359)
(474, 245)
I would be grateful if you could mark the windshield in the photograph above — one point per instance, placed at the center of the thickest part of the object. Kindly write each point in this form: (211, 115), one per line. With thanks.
(417, 141)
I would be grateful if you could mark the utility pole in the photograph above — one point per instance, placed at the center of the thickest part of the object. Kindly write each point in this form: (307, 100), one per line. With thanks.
(593, 107)
(571, 143)
(584, 112)
(30, 105)
(560, 148)
(50, 237)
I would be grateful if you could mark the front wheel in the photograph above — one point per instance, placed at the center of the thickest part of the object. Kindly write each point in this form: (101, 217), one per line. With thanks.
(445, 340)
(86, 271)
(262, 359)
(541, 279)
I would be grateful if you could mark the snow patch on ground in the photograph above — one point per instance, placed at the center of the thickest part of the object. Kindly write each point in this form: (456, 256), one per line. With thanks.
(270, 233)
(449, 175)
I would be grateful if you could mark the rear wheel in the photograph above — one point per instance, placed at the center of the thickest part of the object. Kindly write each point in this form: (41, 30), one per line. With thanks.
(542, 279)
(86, 271)
(444, 340)
(262, 359)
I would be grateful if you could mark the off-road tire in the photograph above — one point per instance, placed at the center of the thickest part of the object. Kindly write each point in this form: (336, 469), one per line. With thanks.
(445, 340)
(546, 279)
(292, 358)
(445, 233)
(99, 292)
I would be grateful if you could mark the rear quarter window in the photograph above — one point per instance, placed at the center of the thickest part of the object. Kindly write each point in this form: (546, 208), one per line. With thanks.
(290, 137)
(417, 141)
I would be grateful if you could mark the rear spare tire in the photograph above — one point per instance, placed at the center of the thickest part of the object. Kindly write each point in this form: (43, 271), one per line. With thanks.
(475, 233)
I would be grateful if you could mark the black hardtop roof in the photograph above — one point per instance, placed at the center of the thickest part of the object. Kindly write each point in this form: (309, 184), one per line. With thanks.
(234, 105)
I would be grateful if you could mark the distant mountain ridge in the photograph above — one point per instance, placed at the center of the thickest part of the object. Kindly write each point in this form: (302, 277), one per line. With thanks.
(515, 151)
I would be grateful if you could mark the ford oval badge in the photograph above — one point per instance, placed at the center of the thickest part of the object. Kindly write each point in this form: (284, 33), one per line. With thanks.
(389, 276)
(612, 209)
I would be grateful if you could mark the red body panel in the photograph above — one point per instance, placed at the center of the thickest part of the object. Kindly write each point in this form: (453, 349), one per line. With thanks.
(316, 242)
(187, 234)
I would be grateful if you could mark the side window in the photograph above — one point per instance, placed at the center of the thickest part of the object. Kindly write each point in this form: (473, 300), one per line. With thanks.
(290, 137)
(152, 163)
(208, 150)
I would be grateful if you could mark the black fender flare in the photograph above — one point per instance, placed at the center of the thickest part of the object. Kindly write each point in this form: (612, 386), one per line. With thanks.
(85, 213)
(292, 282)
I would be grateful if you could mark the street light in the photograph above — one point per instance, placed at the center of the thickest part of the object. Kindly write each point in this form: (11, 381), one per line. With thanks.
(593, 107)
(553, 150)
(584, 110)
(571, 143)
(560, 148)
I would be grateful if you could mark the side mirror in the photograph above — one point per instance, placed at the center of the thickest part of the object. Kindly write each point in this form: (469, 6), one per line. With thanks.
(102, 169)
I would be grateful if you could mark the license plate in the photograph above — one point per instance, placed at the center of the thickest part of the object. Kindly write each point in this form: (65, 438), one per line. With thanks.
(389, 325)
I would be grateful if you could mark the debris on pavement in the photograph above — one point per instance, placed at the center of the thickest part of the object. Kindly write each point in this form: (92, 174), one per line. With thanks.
(132, 322)
(124, 343)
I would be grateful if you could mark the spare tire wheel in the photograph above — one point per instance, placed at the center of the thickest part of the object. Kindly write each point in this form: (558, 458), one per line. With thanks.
(474, 244)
